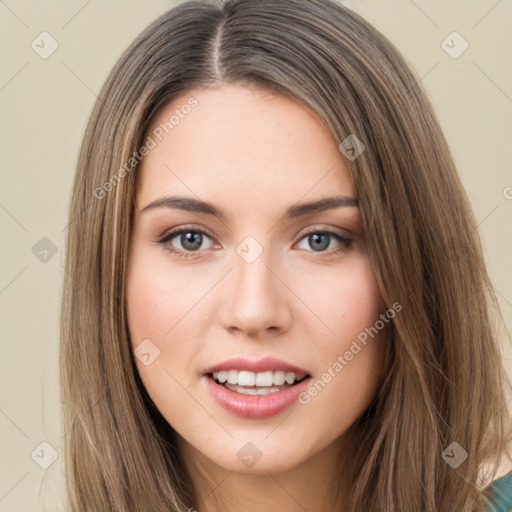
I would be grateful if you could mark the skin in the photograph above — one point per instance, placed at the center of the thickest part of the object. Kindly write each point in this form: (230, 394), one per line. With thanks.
(253, 154)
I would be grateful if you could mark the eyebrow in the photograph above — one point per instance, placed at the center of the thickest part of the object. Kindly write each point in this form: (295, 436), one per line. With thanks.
(196, 205)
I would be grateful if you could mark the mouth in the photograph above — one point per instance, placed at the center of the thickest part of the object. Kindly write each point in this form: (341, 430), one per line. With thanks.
(256, 383)
(255, 389)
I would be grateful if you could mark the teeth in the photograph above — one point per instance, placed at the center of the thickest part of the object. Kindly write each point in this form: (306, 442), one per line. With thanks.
(260, 379)
(279, 378)
(290, 378)
(246, 378)
(265, 379)
(253, 391)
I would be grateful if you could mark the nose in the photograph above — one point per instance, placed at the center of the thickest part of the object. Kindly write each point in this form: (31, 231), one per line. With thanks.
(256, 299)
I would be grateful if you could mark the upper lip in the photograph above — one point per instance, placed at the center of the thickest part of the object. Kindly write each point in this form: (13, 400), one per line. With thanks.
(257, 365)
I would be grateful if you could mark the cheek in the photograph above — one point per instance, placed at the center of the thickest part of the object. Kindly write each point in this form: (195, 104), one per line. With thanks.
(353, 349)
(157, 323)
(159, 300)
(362, 331)
(347, 301)
(167, 306)
(159, 308)
(148, 299)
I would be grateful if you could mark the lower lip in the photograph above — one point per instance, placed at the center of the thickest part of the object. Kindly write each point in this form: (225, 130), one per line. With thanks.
(255, 406)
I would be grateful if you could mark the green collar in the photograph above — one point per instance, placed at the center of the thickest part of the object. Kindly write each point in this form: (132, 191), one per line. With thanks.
(500, 494)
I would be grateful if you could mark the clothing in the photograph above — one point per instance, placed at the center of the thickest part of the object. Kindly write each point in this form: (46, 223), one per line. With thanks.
(500, 494)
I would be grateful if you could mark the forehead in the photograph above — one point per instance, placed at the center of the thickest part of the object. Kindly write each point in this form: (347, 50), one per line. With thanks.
(228, 140)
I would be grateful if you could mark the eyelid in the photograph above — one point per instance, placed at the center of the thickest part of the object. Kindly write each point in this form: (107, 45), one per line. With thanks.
(201, 229)
(328, 229)
(187, 227)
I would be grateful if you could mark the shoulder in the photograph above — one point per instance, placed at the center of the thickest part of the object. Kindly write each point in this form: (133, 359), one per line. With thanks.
(500, 494)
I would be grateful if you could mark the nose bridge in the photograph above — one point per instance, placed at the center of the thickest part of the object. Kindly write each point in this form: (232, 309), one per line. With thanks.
(251, 273)
(255, 298)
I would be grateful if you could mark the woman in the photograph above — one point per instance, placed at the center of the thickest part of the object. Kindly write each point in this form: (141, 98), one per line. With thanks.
(275, 295)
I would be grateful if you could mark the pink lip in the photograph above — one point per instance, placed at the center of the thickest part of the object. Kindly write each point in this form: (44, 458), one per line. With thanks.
(266, 364)
(255, 406)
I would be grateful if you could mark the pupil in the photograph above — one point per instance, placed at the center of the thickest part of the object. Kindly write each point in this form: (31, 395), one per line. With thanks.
(192, 238)
(322, 244)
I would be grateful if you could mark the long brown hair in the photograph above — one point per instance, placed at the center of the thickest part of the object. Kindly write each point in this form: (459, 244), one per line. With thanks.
(444, 381)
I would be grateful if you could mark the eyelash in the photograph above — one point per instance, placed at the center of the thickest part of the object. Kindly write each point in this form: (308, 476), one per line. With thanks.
(167, 237)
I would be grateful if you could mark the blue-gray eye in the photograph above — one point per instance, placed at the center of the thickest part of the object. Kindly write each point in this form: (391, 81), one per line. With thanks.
(191, 240)
(319, 241)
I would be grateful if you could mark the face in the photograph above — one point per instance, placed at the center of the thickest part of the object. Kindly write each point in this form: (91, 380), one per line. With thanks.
(231, 277)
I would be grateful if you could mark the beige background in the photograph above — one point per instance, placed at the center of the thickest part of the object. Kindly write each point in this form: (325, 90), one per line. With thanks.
(44, 107)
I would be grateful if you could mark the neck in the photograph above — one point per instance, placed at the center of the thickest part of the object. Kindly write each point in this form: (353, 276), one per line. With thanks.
(312, 485)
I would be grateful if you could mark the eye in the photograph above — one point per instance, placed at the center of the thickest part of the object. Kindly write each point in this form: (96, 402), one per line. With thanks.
(320, 240)
(185, 241)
